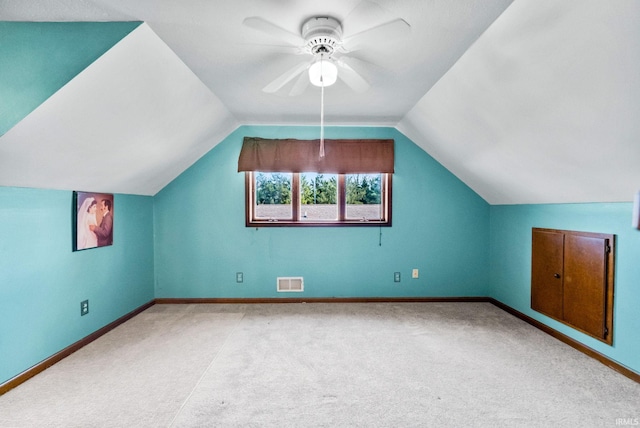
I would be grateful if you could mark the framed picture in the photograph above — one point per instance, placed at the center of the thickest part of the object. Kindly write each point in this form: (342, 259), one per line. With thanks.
(92, 220)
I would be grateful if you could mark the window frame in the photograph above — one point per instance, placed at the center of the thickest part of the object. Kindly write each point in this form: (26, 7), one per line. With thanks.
(295, 221)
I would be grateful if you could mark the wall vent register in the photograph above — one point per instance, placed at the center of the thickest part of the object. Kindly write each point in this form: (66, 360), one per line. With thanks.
(291, 283)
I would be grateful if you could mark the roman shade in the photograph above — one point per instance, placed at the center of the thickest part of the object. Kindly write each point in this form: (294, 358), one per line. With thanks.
(341, 156)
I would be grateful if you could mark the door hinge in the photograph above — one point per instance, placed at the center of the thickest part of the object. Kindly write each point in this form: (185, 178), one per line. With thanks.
(606, 331)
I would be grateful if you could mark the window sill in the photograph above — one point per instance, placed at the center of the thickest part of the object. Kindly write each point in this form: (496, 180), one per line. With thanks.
(287, 223)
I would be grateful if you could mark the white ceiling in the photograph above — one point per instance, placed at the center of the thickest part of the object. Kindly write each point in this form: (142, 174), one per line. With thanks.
(530, 101)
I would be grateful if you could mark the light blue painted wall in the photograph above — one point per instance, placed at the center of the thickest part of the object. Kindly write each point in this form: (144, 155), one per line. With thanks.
(439, 226)
(42, 282)
(511, 266)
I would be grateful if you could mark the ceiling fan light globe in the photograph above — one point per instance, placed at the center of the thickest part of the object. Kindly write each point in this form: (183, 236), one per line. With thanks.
(323, 73)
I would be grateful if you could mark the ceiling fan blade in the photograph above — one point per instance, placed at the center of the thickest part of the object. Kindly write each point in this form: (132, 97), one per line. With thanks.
(277, 49)
(271, 29)
(352, 78)
(286, 77)
(384, 33)
(357, 62)
(300, 85)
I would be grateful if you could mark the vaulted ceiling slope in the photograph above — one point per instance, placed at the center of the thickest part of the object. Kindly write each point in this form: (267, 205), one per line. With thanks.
(544, 107)
(527, 101)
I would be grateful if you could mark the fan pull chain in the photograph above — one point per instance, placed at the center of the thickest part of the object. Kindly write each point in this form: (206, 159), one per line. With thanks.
(322, 121)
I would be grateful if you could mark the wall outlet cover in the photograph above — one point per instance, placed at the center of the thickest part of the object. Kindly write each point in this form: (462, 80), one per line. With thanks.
(84, 307)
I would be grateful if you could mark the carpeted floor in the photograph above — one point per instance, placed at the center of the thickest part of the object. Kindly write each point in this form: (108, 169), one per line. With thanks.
(324, 365)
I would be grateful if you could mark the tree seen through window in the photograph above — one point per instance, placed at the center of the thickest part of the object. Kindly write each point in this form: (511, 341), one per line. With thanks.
(318, 198)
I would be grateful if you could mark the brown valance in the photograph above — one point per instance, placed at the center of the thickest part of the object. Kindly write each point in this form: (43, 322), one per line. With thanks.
(341, 156)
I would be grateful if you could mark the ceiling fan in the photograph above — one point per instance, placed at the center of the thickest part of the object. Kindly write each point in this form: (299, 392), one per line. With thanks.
(321, 37)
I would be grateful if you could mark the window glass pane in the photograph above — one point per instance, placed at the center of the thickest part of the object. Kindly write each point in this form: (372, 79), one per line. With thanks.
(364, 196)
(318, 196)
(273, 195)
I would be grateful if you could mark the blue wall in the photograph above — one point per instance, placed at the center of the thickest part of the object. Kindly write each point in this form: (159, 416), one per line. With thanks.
(439, 226)
(511, 266)
(42, 282)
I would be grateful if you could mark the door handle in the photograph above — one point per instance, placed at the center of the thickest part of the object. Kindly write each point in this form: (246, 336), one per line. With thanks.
(556, 275)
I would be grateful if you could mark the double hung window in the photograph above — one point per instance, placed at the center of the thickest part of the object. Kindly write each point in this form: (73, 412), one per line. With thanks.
(288, 184)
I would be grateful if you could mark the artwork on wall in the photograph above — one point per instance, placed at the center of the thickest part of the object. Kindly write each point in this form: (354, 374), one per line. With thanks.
(92, 220)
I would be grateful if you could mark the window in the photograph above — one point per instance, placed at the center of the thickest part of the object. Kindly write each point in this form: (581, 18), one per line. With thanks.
(272, 199)
(316, 199)
(288, 183)
(364, 197)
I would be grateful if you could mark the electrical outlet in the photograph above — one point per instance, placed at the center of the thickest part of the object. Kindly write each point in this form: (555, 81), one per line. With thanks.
(414, 274)
(84, 307)
(239, 277)
(396, 277)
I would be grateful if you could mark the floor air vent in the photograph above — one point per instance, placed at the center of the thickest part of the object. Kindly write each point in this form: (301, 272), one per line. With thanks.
(290, 283)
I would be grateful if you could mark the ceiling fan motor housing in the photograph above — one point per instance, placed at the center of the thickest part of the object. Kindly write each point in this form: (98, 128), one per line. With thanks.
(322, 34)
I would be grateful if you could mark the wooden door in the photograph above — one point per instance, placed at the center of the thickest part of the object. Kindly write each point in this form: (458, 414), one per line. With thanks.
(572, 279)
(585, 283)
(546, 273)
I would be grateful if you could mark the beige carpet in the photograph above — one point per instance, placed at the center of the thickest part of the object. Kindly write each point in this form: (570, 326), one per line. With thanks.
(324, 365)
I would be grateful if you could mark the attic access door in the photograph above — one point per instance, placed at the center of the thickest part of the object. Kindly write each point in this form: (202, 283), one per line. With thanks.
(547, 291)
(585, 283)
(572, 279)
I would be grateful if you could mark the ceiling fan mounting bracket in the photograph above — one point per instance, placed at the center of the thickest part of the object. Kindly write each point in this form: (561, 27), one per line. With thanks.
(322, 35)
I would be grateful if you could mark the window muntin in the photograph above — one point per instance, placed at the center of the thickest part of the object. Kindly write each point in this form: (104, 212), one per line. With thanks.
(288, 199)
